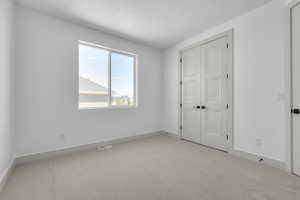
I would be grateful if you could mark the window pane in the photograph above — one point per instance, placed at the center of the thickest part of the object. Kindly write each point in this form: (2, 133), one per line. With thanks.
(93, 77)
(122, 79)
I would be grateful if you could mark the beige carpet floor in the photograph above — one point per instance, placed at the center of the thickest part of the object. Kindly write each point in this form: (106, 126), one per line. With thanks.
(156, 168)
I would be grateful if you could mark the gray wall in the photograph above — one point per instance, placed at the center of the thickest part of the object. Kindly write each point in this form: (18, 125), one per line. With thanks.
(259, 80)
(6, 85)
(47, 87)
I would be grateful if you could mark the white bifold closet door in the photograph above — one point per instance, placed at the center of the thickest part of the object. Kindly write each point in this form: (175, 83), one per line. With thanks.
(296, 87)
(204, 94)
(214, 67)
(191, 94)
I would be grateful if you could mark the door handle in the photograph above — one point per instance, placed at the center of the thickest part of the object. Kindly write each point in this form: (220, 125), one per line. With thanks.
(196, 107)
(203, 107)
(295, 111)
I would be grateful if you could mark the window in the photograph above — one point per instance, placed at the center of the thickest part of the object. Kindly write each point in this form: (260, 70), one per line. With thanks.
(107, 78)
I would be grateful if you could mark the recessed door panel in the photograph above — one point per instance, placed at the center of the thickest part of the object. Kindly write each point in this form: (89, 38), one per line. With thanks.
(213, 91)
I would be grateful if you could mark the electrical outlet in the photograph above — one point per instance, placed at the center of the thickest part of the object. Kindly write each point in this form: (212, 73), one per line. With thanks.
(281, 96)
(259, 142)
(62, 137)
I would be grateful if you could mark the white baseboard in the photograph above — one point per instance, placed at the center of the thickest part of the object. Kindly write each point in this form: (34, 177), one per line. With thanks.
(259, 159)
(7, 172)
(249, 156)
(75, 149)
(173, 135)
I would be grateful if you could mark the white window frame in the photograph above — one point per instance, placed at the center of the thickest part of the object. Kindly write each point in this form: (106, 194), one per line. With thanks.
(135, 77)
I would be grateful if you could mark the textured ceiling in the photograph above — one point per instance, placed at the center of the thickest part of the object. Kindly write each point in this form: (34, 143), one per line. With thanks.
(159, 23)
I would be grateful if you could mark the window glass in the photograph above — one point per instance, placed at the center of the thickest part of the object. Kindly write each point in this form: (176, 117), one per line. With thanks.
(122, 79)
(106, 77)
(93, 77)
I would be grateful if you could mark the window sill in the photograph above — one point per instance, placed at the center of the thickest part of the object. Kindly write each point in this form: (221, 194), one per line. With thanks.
(107, 108)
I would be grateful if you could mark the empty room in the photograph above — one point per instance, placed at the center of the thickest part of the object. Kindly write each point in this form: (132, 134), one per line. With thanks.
(150, 100)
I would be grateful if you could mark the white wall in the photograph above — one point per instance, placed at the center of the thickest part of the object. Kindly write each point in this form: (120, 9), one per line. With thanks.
(6, 85)
(291, 2)
(47, 87)
(258, 80)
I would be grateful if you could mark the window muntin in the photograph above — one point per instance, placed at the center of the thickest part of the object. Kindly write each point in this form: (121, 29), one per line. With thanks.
(107, 77)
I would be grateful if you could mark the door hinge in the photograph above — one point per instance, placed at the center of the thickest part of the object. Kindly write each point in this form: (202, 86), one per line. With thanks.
(181, 127)
(181, 105)
(227, 45)
(227, 76)
(227, 137)
(180, 60)
(180, 82)
(227, 106)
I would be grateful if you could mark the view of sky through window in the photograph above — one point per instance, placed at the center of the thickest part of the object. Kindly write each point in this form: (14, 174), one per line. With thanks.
(94, 78)
(93, 64)
(122, 82)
